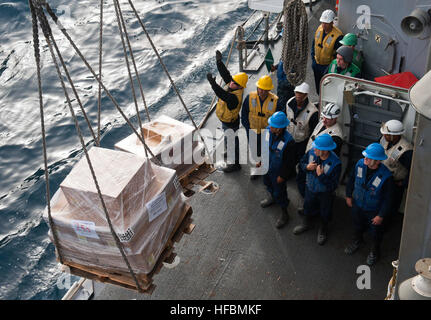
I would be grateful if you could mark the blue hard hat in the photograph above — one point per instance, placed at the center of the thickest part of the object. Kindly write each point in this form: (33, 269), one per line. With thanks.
(278, 120)
(375, 151)
(324, 142)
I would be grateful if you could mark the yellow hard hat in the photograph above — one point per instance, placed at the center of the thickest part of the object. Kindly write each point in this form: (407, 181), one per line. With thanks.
(265, 83)
(241, 79)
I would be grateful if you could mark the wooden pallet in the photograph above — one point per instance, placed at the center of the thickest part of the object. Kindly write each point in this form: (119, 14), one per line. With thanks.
(183, 226)
(196, 177)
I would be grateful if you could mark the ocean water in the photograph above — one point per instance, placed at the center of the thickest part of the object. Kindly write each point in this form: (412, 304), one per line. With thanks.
(186, 33)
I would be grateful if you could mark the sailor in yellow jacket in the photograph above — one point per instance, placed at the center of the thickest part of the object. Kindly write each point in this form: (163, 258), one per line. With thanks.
(229, 105)
(326, 42)
(257, 107)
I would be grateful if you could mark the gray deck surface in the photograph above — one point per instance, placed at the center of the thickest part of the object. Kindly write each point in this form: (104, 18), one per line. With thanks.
(235, 251)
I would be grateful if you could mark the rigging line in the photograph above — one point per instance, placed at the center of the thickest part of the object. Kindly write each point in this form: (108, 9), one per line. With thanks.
(133, 59)
(246, 20)
(99, 101)
(42, 123)
(255, 28)
(49, 36)
(126, 59)
(55, 18)
(169, 76)
(75, 92)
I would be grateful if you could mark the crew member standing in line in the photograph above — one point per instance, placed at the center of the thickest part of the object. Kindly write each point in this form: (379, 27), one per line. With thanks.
(400, 154)
(303, 116)
(368, 193)
(325, 44)
(229, 104)
(281, 163)
(328, 124)
(257, 107)
(323, 169)
(285, 90)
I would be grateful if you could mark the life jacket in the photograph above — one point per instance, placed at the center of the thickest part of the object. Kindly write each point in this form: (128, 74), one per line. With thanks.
(368, 195)
(301, 130)
(394, 154)
(223, 112)
(333, 131)
(324, 55)
(313, 182)
(276, 150)
(258, 115)
(351, 71)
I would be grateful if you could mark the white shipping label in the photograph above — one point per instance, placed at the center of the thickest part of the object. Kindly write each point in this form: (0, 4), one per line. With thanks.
(359, 172)
(157, 206)
(85, 229)
(377, 181)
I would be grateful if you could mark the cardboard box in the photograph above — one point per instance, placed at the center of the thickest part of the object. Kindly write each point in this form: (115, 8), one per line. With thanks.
(144, 202)
(170, 140)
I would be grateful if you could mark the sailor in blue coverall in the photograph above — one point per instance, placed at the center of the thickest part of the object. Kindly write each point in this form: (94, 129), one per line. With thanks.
(281, 163)
(368, 193)
(323, 169)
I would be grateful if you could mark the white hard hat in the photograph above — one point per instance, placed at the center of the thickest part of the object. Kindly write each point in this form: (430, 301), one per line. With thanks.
(392, 127)
(303, 88)
(327, 16)
(331, 111)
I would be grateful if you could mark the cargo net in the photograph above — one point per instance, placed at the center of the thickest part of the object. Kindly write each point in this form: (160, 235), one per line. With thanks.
(117, 214)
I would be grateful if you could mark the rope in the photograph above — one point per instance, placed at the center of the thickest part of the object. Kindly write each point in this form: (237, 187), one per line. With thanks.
(99, 101)
(48, 36)
(393, 281)
(55, 18)
(133, 59)
(168, 75)
(42, 123)
(126, 59)
(295, 41)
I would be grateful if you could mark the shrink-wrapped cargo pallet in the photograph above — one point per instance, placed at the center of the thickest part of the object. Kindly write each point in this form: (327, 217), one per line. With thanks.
(144, 202)
(170, 141)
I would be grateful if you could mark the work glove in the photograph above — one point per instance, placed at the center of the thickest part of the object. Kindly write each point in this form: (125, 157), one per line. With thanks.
(210, 78)
(218, 55)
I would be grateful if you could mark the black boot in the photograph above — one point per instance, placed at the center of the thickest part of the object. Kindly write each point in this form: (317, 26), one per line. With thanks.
(374, 254)
(231, 168)
(354, 245)
(322, 234)
(282, 221)
(265, 203)
(304, 226)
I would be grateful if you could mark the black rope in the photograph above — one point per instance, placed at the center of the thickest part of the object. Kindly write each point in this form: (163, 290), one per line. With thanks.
(48, 36)
(42, 123)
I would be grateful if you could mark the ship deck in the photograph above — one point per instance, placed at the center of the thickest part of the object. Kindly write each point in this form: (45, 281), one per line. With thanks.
(235, 251)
